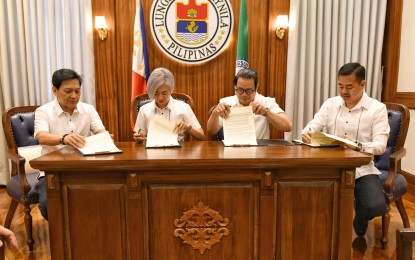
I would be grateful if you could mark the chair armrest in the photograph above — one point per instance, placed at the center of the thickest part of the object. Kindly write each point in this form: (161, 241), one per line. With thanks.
(397, 155)
(16, 158)
(394, 160)
(19, 162)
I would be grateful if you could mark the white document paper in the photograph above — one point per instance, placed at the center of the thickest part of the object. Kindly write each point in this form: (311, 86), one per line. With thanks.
(239, 127)
(101, 143)
(161, 133)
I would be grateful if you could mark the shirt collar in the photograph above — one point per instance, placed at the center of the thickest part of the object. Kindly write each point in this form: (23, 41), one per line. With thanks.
(235, 101)
(169, 105)
(58, 109)
(364, 102)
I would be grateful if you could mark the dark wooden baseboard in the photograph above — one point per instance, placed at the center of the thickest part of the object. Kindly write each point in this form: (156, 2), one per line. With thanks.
(410, 178)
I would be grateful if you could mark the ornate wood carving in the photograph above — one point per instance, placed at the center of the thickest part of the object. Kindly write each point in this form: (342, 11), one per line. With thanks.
(201, 227)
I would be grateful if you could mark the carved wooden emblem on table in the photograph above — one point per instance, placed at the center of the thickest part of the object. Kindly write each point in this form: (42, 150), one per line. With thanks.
(201, 227)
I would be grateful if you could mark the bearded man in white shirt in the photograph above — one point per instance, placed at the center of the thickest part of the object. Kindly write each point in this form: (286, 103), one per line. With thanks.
(357, 117)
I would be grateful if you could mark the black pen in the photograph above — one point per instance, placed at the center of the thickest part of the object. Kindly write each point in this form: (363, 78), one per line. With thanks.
(138, 141)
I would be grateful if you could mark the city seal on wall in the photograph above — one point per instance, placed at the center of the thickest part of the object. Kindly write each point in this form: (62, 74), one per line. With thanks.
(191, 31)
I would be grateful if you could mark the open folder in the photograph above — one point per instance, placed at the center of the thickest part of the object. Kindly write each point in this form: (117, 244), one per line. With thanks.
(239, 127)
(320, 139)
(101, 143)
(161, 133)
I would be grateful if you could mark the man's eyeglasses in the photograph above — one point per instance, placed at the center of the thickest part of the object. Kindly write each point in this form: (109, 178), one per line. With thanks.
(248, 91)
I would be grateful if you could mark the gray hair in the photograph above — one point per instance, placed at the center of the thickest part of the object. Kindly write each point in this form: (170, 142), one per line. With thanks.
(159, 76)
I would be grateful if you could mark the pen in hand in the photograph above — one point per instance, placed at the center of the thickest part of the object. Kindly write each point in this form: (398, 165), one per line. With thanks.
(306, 136)
(137, 136)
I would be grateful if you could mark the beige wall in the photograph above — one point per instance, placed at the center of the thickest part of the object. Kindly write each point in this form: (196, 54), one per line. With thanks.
(406, 78)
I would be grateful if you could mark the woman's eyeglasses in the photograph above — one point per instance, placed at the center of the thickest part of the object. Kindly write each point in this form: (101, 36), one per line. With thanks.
(248, 91)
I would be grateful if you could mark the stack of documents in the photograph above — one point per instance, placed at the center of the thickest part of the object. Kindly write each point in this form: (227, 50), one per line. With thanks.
(320, 139)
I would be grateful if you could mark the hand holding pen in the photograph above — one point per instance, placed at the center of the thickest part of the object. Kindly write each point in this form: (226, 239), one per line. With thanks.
(306, 136)
(139, 137)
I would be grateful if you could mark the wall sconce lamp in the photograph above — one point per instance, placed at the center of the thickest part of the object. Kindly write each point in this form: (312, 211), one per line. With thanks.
(281, 25)
(101, 26)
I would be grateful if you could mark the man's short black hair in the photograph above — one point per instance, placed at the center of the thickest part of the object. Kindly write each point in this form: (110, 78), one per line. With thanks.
(246, 74)
(353, 68)
(64, 74)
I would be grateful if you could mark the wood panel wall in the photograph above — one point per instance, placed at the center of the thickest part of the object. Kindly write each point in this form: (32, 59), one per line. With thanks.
(210, 81)
(206, 83)
(391, 56)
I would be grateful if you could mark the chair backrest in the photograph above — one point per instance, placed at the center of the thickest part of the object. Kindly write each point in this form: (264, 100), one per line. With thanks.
(219, 135)
(143, 99)
(18, 127)
(398, 117)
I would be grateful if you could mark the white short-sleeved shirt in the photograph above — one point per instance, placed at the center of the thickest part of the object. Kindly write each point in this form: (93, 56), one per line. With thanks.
(261, 122)
(52, 119)
(173, 112)
(366, 123)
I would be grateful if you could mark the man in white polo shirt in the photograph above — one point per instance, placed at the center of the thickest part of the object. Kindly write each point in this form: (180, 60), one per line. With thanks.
(266, 110)
(64, 121)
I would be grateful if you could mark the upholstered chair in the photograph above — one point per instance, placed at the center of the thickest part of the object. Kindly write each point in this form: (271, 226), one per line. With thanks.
(142, 99)
(389, 164)
(18, 126)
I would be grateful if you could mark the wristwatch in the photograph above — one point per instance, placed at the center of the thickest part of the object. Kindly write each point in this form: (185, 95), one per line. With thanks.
(62, 140)
(358, 147)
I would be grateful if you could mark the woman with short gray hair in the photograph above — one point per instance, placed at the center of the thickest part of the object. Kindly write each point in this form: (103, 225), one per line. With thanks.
(160, 85)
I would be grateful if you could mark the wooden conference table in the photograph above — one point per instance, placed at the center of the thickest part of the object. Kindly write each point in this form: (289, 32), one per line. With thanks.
(201, 201)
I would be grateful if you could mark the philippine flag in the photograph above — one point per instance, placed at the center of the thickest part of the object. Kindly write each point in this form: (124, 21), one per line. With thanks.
(141, 70)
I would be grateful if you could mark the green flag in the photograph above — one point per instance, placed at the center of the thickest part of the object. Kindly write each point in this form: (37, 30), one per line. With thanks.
(242, 53)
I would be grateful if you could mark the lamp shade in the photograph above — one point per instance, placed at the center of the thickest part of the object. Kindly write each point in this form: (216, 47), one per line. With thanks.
(100, 22)
(282, 21)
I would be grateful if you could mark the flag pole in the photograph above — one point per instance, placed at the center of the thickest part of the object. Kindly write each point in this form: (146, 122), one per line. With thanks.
(242, 51)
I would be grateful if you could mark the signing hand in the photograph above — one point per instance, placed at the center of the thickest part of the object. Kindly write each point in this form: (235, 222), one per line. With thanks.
(139, 137)
(306, 137)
